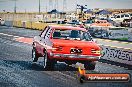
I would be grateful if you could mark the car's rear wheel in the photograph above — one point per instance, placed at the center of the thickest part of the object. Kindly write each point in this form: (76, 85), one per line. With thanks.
(34, 55)
(48, 64)
(89, 65)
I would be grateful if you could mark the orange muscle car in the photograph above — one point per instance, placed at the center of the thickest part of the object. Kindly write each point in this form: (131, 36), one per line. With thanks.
(66, 44)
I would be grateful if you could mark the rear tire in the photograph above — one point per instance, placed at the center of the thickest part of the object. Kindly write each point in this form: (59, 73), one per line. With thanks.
(34, 55)
(48, 64)
(90, 65)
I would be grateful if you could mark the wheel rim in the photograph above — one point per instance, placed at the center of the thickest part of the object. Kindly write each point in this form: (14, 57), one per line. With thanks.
(45, 60)
(33, 54)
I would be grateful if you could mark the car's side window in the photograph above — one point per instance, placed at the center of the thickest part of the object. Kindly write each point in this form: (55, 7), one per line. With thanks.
(122, 16)
(118, 16)
(47, 35)
(126, 15)
(44, 32)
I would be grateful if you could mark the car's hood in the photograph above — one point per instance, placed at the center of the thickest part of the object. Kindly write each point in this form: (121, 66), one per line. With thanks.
(75, 43)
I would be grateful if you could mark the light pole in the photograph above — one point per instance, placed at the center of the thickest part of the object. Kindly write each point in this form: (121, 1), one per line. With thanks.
(15, 7)
(39, 6)
(81, 15)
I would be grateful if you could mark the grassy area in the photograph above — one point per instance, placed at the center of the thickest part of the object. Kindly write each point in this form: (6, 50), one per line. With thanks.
(124, 39)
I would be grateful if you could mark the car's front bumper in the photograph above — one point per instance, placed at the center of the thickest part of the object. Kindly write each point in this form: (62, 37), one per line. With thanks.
(73, 56)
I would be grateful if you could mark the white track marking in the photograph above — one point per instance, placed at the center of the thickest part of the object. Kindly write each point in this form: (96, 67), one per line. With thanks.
(9, 35)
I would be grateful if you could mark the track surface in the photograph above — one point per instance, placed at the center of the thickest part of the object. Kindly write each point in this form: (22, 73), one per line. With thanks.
(17, 70)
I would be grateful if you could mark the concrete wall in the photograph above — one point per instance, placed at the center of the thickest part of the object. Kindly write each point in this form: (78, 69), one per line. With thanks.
(30, 16)
(8, 23)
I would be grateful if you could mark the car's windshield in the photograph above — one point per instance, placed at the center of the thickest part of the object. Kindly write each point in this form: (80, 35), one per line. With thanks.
(71, 35)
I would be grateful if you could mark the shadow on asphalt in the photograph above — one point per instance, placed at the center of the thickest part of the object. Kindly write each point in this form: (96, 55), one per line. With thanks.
(28, 65)
(129, 67)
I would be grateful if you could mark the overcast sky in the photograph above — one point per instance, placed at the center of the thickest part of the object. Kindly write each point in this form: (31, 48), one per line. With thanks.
(70, 5)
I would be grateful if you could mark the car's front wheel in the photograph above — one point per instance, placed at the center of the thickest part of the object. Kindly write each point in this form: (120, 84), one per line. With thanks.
(48, 64)
(34, 55)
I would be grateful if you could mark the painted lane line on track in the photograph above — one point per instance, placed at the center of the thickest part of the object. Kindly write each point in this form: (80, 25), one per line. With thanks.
(115, 47)
(114, 41)
(19, 39)
(24, 40)
(9, 35)
(16, 36)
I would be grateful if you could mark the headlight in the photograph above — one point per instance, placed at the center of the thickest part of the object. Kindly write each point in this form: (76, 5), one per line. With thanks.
(93, 51)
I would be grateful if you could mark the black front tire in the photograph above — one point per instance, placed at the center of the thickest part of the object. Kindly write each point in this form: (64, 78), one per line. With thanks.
(34, 55)
(48, 64)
